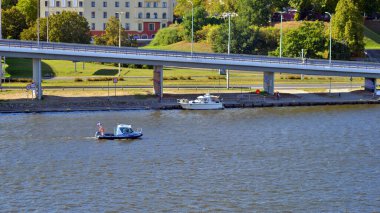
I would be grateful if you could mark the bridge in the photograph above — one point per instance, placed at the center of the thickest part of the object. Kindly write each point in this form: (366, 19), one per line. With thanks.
(159, 59)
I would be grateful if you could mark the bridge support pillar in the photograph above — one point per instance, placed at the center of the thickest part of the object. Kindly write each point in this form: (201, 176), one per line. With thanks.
(370, 84)
(37, 78)
(158, 74)
(228, 78)
(222, 71)
(269, 82)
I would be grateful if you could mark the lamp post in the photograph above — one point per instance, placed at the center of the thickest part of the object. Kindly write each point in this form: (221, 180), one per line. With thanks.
(192, 26)
(38, 23)
(1, 37)
(330, 36)
(229, 41)
(47, 22)
(119, 37)
(281, 13)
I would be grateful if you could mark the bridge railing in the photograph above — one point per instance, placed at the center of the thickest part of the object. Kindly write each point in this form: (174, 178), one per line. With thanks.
(206, 56)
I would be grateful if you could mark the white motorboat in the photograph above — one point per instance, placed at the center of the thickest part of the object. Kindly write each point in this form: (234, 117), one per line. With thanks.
(122, 131)
(206, 101)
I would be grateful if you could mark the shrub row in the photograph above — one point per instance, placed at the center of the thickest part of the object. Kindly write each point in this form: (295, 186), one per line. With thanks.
(99, 79)
(19, 80)
(216, 77)
(174, 78)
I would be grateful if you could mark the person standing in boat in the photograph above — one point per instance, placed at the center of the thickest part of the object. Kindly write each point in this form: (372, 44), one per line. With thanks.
(100, 128)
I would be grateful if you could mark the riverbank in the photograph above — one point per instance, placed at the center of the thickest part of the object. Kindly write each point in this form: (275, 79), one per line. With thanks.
(53, 103)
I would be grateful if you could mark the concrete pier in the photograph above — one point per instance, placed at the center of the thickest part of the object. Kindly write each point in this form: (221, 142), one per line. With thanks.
(269, 82)
(37, 77)
(158, 73)
(370, 84)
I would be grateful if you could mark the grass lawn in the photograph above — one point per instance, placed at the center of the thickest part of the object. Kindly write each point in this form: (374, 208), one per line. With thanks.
(184, 47)
(371, 39)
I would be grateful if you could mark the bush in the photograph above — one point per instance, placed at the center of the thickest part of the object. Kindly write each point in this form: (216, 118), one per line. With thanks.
(78, 80)
(19, 80)
(202, 35)
(100, 79)
(169, 35)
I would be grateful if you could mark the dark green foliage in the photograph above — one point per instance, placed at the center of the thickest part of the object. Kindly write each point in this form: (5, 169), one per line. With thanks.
(6, 4)
(111, 37)
(13, 23)
(169, 35)
(65, 27)
(309, 36)
(347, 26)
(200, 19)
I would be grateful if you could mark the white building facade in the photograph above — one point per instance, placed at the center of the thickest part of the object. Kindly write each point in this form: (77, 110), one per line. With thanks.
(142, 18)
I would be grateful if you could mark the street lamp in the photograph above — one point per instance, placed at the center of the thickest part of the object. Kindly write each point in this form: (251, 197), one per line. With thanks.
(330, 36)
(229, 15)
(192, 26)
(281, 34)
(47, 22)
(1, 37)
(38, 23)
(119, 36)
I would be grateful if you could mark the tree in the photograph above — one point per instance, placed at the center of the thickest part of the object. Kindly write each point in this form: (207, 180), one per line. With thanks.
(66, 27)
(29, 9)
(31, 32)
(6, 4)
(347, 26)
(255, 12)
(13, 23)
(169, 35)
(309, 36)
(111, 36)
(200, 20)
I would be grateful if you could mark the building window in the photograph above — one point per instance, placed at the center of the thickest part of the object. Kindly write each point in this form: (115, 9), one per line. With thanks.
(92, 26)
(136, 36)
(164, 4)
(92, 14)
(117, 15)
(104, 14)
(93, 4)
(163, 25)
(46, 13)
(151, 27)
(148, 4)
(104, 26)
(155, 4)
(147, 15)
(116, 4)
(155, 16)
(140, 15)
(126, 26)
(127, 4)
(58, 4)
(140, 27)
(80, 13)
(46, 3)
(126, 14)
(69, 4)
(153, 35)
(164, 15)
(139, 4)
(81, 4)
(104, 4)
(144, 36)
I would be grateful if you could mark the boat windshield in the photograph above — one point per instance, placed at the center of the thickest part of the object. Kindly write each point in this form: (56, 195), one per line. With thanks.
(125, 130)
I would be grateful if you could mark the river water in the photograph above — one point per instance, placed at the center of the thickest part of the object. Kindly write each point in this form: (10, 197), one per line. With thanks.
(301, 159)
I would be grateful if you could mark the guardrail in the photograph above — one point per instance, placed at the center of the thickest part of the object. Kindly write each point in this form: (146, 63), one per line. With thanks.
(186, 55)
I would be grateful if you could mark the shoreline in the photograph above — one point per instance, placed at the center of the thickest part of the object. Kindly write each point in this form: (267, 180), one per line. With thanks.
(89, 104)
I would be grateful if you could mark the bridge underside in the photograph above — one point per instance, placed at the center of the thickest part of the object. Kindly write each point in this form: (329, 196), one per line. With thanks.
(159, 61)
